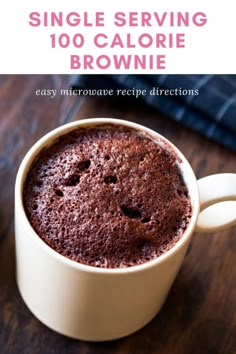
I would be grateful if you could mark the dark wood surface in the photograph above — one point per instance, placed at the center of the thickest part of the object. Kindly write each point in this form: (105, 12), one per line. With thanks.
(199, 316)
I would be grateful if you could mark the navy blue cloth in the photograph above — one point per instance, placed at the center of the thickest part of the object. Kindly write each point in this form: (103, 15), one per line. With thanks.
(211, 112)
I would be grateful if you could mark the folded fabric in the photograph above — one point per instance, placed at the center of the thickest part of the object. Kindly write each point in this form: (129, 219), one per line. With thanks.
(210, 109)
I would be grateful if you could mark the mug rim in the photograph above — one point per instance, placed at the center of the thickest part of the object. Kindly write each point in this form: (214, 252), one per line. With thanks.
(49, 138)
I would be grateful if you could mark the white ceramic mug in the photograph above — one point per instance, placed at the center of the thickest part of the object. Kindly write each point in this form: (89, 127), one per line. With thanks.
(98, 304)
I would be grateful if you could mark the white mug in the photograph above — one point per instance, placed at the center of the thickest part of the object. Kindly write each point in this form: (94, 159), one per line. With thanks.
(98, 304)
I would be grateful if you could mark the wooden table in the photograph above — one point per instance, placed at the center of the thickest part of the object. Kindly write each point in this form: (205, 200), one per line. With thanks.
(199, 316)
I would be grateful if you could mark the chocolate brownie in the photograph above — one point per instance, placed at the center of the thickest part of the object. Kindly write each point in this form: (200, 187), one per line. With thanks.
(107, 197)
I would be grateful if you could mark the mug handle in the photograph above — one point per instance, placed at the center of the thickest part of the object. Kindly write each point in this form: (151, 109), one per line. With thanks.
(217, 202)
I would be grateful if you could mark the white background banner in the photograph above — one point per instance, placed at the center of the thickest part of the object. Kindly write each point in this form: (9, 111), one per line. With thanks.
(107, 36)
